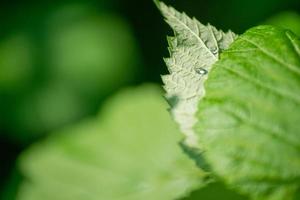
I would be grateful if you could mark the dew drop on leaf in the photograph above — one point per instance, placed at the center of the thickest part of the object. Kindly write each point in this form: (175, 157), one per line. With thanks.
(215, 50)
(201, 70)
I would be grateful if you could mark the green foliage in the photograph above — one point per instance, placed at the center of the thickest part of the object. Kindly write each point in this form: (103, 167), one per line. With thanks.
(235, 99)
(249, 118)
(47, 109)
(63, 74)
(193, 50)
(129, 152)
(9, 191)
(287, 20)
(16, 62)
(247, 122)
(89, 50)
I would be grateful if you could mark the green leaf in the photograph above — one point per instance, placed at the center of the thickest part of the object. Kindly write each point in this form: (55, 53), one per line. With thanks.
(193, 51)
(288, 20)
(83, 49)
(249, 118)
(16, 74)
(130, 152)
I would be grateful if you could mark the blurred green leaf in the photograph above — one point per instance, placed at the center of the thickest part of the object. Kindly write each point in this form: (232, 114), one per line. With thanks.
(84, 55)
(47, 109)
(130, 152)
(9, 191)
(92, 52)
(16, 62)
(249, 118)
(287, 20)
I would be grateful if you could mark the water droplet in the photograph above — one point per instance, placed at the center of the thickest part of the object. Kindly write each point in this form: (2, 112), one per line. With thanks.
(214, 50)
(201, 70)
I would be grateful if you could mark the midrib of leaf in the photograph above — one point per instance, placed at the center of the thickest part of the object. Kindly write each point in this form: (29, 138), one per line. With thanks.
(200, 40)
(195, 34)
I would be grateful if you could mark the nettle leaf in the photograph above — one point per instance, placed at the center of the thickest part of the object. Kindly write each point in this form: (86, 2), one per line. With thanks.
(130, 153)
(193, 50)
(249, 118)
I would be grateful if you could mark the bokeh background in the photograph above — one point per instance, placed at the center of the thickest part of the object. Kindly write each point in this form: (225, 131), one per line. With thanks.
(59, 60)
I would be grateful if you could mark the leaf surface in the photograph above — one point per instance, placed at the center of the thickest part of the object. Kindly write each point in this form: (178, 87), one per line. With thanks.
(249, 119)
(130, 152)
(193, 50)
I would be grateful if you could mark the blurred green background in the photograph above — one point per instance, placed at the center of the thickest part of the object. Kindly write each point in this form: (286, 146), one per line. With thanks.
(59, 60)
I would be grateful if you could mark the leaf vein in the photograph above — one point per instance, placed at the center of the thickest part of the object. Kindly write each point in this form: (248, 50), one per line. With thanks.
(193, 33)
(293, 68)
(263, 86)
(296, 48)
(277, 135)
